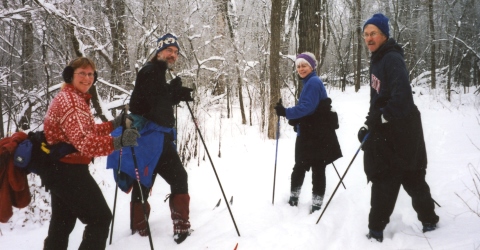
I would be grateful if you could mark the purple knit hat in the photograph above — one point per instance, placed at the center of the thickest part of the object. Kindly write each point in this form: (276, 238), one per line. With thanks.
(308, 57)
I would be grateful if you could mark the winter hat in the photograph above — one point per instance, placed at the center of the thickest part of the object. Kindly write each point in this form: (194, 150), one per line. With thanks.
(165, 41)
(306, 57)
(381, 22)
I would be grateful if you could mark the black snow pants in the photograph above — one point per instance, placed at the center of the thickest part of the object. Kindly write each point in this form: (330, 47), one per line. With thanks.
(76, 195)
(385, 189)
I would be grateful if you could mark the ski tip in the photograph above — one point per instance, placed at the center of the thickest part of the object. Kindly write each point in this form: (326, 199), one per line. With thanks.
(236, 247)
(218, 203)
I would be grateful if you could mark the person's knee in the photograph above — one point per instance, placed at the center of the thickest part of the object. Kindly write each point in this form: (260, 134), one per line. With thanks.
(102, 218)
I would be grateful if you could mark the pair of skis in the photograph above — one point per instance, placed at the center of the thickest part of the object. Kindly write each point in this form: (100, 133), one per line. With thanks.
(220, 201)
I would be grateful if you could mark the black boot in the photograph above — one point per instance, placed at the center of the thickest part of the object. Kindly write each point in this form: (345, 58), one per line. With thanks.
(317, 201)
(293, 201)
(294, 194)
(427, 227)
(180, 237)
(377, 235)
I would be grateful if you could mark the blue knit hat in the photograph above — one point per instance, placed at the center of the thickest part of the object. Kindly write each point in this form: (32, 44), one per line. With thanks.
(381, 22)
(165, 41)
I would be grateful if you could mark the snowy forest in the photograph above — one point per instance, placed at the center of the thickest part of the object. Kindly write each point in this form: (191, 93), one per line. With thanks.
(238, 56)
(240, 51)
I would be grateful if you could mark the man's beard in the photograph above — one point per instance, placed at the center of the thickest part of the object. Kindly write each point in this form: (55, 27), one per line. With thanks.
(170, 66)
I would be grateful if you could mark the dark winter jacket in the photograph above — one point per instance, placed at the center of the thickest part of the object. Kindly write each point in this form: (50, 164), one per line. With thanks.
(315, 122)
(399, 143)
(317, 140)
(152, 97)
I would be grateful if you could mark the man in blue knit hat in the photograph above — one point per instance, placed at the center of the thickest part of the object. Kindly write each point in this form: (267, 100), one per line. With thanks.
(394, 151)
(151, 106)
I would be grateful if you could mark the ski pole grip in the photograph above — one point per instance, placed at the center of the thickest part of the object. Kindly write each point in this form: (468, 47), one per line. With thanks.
(126, 123)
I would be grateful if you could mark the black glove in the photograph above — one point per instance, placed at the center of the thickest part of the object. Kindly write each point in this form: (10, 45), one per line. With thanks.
(280, 109)
(185, 94)
(294, 123)
(176, 83)
(362, 132)
(127, 139)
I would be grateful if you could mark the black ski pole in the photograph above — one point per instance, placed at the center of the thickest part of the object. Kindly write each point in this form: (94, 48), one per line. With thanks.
(276, 154)
(338, 175)
(211, 162)
(115, 199)
(436, 203)
(118, 174)
(137, 175)
(343, 176)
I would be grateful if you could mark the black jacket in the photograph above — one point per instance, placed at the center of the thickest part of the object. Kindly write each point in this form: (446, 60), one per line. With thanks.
(317, 140)
(398, 144)
(152, 96)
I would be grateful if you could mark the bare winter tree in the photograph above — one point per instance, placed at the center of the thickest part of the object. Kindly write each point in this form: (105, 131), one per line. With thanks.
(359, 43)
(431, 23)
(276, 28)
(115, 11)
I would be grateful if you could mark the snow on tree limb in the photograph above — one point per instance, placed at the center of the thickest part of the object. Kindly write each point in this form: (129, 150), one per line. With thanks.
(51, 9)
(15, 14)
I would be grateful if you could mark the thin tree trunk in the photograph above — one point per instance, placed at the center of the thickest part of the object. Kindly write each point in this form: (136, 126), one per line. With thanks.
(452, 49)
(276, 29)
(433, 84)
(358, 66)
(120, 71)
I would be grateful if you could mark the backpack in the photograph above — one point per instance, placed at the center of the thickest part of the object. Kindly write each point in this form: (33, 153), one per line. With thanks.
(34, 154)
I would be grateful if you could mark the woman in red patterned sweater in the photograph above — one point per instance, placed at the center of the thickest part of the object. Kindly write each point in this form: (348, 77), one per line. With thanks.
(75, 194)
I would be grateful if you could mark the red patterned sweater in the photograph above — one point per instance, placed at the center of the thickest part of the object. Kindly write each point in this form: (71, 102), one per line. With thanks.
(69, 120)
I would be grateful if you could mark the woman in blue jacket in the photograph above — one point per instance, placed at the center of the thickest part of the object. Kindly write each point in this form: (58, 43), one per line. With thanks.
(316, 145)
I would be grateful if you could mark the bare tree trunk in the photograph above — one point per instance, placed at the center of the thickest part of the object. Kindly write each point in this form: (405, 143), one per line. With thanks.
(309, 27)
(120, 71)
(276, 29)
(287, 34)
(452, 49)
(229, 92)
(240, 93)
(433, 84)
(324, 33)
(28, 69)
(2, 134)
(358, 66)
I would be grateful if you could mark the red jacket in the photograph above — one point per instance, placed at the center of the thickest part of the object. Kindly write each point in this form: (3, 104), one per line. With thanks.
(70, 120)
(14, 190)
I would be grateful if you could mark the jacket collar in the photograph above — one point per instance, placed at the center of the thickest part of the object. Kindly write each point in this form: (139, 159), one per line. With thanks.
(70, 89)
(314, 73)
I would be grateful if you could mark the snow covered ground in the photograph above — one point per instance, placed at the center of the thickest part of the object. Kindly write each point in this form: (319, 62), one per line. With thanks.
(246, 167)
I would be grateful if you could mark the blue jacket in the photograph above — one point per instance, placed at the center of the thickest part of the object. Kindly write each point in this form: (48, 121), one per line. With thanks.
(147, 154)
(312, 93)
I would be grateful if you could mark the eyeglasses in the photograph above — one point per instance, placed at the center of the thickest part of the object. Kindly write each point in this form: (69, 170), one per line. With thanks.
(372, 34)
(83, 74)
(171, 51)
